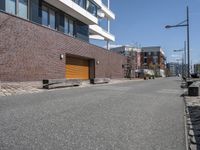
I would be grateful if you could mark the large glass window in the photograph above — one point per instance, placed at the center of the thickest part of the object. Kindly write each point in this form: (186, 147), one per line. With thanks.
(11, 6)
(81, 31)
(45, 16)
(60, 22)
(71, 27)
(66, 28)
(2, 5)
(52, 19)
(91, 7)
(35, 13)
(23, 8)
(48, 17)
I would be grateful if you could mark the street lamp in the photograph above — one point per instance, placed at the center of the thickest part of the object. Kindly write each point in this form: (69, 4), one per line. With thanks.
(184, 23)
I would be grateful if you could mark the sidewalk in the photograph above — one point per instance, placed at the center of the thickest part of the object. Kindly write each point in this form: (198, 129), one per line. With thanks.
(193, 121)
(17, 88)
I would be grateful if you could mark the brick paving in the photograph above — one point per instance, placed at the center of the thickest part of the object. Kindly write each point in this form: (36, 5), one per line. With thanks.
(16, 88)
(193, 121)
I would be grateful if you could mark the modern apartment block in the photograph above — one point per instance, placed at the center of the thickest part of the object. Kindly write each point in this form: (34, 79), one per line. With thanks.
(153, 58)
(50, 39)
(133, 55)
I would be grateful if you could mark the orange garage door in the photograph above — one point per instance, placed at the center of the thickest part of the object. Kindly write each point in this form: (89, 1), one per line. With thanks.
(77, 68)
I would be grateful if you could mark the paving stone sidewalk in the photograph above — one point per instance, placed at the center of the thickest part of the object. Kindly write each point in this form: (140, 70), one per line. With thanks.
(193, 122)
(17, 88)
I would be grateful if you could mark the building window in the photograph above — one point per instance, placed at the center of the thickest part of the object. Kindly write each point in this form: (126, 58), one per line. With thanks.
(69, 26)
(45, 16)
(154, 53)
(10, 6)
(145, 54)
(145, 60)
(43, 13)
(48, 17)
(52, 19)
(23, 9)
(15, 7)
(91, 7)
(66, 28)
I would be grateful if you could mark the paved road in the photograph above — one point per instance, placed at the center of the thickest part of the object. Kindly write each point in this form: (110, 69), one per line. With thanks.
(144, 115)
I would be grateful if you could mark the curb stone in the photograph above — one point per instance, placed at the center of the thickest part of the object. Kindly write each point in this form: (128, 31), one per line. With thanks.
(192, 114)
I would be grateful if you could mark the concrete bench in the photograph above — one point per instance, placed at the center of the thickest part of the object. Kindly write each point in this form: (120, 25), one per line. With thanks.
(99, 80)
(194, 89)
(58, 83)
(190, 82)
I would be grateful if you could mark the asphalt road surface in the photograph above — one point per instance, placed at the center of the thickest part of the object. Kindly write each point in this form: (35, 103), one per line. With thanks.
(142, 115)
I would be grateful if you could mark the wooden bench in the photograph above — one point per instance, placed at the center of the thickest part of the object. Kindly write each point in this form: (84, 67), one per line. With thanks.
(194, 89)
(58, 83)
(99, 80)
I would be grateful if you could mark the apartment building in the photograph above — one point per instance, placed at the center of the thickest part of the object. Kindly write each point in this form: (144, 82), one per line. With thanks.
(50, 39)
(153, 58)
(133, 55)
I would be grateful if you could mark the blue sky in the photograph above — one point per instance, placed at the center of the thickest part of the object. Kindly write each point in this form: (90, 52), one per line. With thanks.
(143, 22)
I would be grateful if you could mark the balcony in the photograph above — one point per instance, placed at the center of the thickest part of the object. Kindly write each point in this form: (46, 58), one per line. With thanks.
(74, 10)
(102, 34)
(108, 13)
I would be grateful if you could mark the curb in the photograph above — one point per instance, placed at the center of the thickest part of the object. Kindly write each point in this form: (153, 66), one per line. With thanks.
(185, 125)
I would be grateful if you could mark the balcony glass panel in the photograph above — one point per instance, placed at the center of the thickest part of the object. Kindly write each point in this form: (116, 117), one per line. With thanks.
(81, 3)
(91, 7)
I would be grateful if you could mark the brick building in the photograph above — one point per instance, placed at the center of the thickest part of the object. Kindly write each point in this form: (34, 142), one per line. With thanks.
(153, 58)
(133, 55)
(50, 39)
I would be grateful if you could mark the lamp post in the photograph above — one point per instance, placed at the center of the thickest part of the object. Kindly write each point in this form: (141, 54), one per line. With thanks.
(184, 23)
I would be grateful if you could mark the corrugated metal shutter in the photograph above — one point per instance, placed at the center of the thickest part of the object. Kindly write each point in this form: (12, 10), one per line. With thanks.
(77, 68)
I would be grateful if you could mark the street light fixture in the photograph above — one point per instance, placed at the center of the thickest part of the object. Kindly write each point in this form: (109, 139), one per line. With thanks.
(184, 23)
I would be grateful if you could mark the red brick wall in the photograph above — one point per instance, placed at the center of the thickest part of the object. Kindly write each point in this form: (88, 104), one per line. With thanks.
(30, 52)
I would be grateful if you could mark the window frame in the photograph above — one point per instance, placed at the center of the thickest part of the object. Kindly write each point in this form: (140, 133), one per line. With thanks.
(49, 8)
(28, 8)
